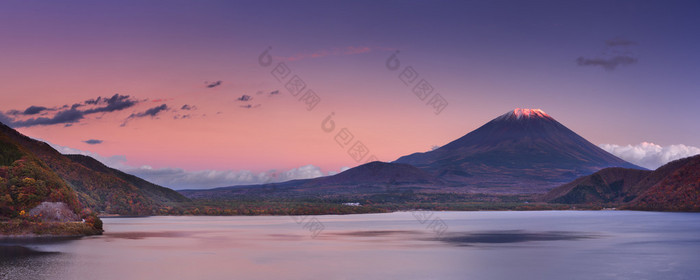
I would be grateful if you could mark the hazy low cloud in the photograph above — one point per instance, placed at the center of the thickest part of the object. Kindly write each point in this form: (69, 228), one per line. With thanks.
(615, 53)
(118, 161)
(93, 141)
(177, 178)
(620, 42)
(329, 52)
(608, 64)
(650, 155)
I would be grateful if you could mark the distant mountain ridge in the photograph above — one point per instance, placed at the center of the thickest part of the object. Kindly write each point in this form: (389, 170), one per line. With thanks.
(373, 177)
(521, 151)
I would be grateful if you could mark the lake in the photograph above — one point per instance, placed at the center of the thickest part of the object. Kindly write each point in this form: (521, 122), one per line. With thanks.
(402, 245)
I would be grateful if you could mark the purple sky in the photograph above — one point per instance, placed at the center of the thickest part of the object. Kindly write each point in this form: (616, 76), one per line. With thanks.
(617, 72)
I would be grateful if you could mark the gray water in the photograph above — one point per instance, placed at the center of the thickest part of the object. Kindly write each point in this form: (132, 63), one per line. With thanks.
(404, 245)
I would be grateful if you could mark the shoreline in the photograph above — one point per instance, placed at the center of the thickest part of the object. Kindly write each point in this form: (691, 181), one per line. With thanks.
(22, 229)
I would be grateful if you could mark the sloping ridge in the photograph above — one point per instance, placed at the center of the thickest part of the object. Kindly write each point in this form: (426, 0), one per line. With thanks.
(97, 186)
(518, 151)
(672, 187)
(377, 172)
(612, 184)
(153, 191)
(678, 191)
(26, 182)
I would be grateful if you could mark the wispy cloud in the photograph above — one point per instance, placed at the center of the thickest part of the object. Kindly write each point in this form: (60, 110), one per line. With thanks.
(250, 106)
(151, 112)
(244, 98)
(650, 155)
(188, 107)
(271, 93)
(615, 53)
(608, 64)
(352, 50)
(619, 42)
(33, 110)
(93, 141)
(213, 84)
(114, 103)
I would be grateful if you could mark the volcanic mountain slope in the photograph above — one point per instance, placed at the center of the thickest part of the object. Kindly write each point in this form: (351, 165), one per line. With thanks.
(672, 187)
(97, 186)
(370, 178)
(378, 173)
(522, 151)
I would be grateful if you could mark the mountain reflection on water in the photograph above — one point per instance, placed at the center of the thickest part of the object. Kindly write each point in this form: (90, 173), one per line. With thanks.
(476, 245)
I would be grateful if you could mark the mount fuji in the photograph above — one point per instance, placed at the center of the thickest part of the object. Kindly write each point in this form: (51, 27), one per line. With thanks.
(524, 151)
(521, 151)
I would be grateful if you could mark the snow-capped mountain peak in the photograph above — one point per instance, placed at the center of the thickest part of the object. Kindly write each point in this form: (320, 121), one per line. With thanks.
(520, 113)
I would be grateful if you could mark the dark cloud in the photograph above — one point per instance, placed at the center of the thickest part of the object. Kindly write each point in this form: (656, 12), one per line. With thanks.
(152, 112)
(188, 107)
(250, 106)
(66, 114)
(268, 93)
(214, 84)
(608, 64)
(14, 112)
(619, 42)
(93, 141)
(5, 119)
(93, 101)
(33, 110)
(244, 98)
(62, 117)
(114, 103)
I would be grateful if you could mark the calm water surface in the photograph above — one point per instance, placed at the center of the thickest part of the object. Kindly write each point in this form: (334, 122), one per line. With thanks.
(404, 245)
